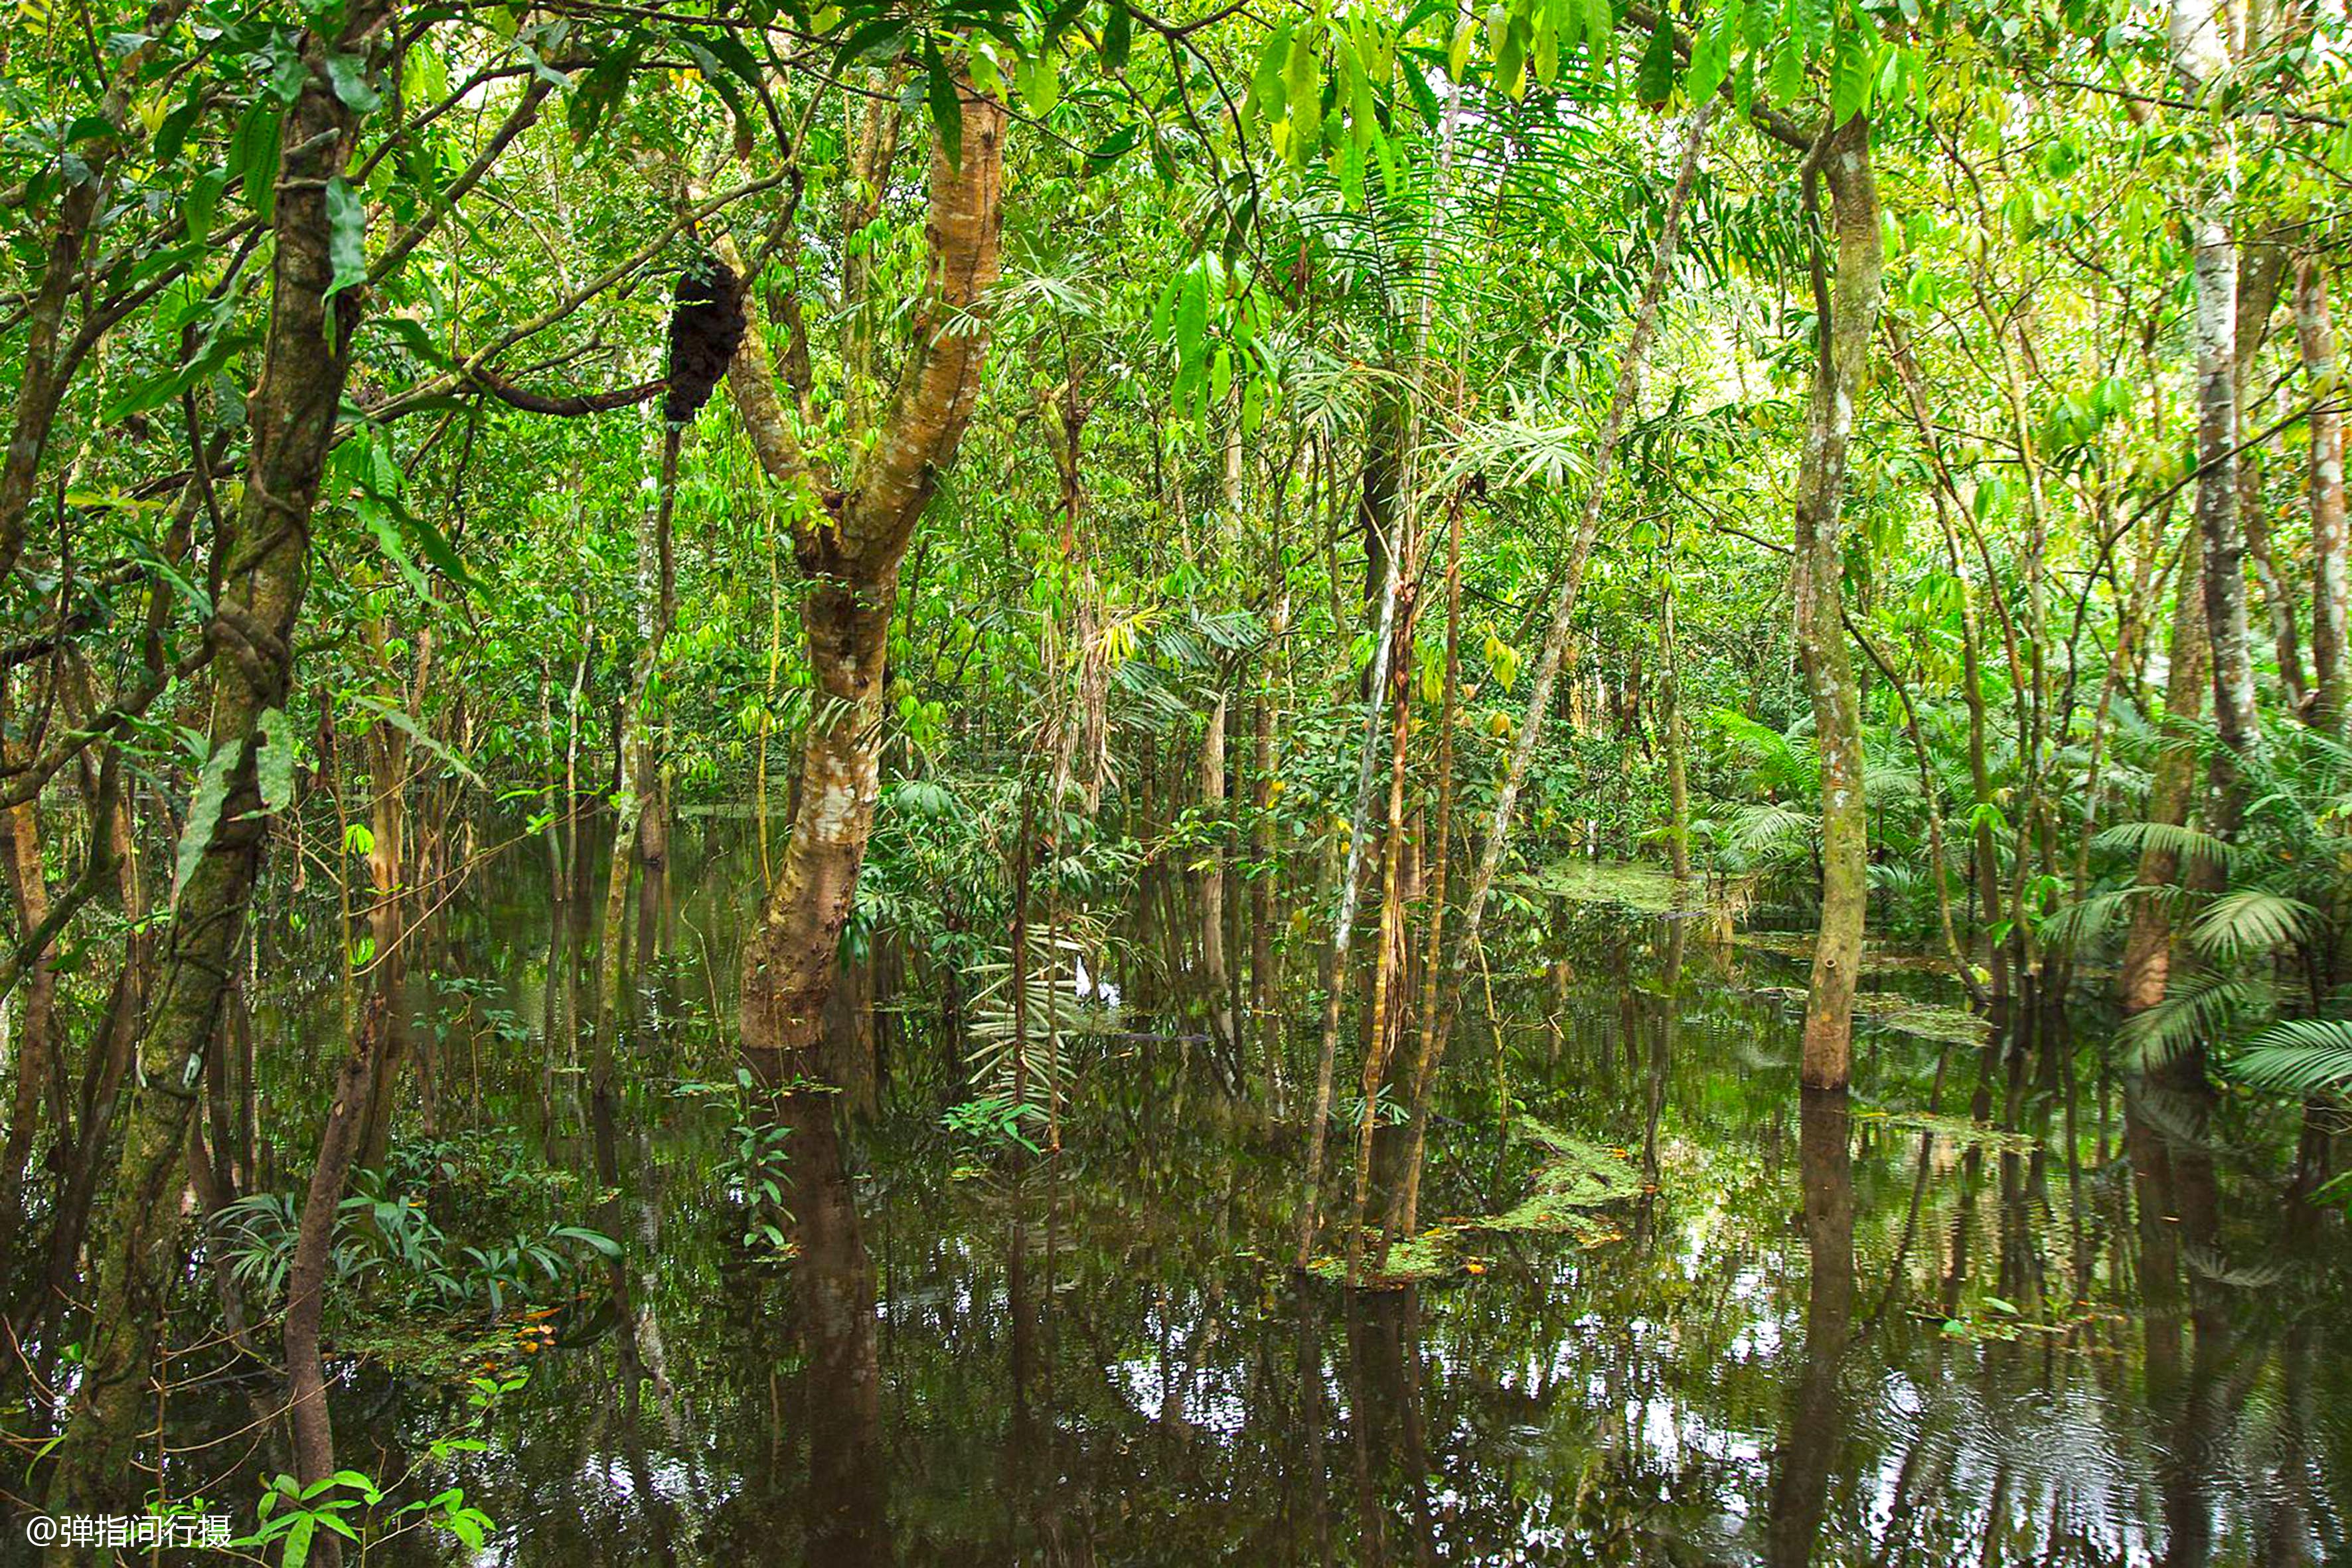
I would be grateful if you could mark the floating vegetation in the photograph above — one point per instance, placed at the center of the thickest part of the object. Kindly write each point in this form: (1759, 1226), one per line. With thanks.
(1620, 884)
(1798, 945)
(1904, 1015)
(1957, 1129)
(1572, 1186)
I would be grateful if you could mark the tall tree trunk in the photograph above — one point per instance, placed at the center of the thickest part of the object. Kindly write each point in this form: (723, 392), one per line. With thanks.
(1404, 1200)
(37, 1058)
(850, 545)
(1216, 976)
(2219, 523)
(1670, 723)
(2331, 588)
(2146, 964)
(1848, 301)
(638, 768)
(1553, 653)
(305, 358)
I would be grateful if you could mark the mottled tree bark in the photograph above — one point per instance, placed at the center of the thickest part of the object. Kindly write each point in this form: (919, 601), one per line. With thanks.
(850, 547)
(305, 360)
(1851, 297)
(2331, 591)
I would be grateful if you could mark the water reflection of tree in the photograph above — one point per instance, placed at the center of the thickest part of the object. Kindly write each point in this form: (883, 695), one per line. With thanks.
(1814, 1435)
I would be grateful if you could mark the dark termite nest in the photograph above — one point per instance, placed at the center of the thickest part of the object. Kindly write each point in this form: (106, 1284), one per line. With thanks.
(706, 326)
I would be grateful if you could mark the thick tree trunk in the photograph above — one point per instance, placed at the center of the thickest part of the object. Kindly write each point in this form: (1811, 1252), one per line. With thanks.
(851, 550)
(1852, 298)
(2331, 587)
(306, 357)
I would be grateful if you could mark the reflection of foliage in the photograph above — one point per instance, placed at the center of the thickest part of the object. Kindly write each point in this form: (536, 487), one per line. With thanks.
(993, 1121)
(1021, 1034)
(387, 1238)
(754, 1172)
(1573, 1181)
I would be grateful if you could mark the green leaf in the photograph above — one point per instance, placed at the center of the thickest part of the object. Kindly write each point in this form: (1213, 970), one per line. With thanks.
(346, 235)
(274, 764)
(1850, 77)
(1710, 59)
(1118, 35)
(1654, 82)
(1269, 96)
(204, 812)
(399, 719)
(1808, 27)
(377, 519)
(1787, 77)
(347, 74)
(1193, 315)
(253, 157)
(947, 107)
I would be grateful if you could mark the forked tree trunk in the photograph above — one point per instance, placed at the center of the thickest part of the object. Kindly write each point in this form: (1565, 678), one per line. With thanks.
(306, 358)
(1852, 298)
(850, 547)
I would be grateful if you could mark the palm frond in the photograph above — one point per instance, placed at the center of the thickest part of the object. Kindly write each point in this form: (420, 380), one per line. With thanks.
(2197, 1008)
(2166, 839)
(2251, 921)
(2302, 1057)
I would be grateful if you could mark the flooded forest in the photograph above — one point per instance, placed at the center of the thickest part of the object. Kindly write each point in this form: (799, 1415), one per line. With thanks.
(1355, 784)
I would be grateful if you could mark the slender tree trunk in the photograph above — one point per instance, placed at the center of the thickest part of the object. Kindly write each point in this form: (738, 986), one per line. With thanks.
(1852, 298)
(2261, 265)
(2315, 330)
(1549, 658)
(1216, 976)
(638, 768)
(306, 357)
(1405, 1201)
(2146, 964)
(1387, 961)
(2218, 520)
(1670, 723)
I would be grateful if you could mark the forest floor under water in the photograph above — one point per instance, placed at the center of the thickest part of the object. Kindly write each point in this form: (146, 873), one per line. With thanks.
(1950, 1317)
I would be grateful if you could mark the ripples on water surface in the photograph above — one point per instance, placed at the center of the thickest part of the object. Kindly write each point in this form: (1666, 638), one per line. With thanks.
(1830, 1330)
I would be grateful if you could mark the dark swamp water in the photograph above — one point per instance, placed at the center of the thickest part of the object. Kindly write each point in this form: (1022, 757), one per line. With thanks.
(1842, 1331)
